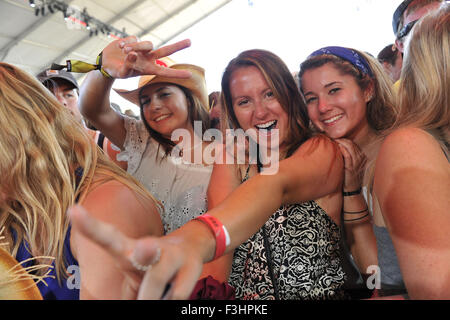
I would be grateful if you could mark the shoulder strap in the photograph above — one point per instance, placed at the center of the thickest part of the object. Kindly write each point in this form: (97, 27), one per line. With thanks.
(101, 138)
(266, 242)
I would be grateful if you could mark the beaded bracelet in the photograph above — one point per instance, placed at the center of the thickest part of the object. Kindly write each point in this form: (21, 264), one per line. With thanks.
(219, 231)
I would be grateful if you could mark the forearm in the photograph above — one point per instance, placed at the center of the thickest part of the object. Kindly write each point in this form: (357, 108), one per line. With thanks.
(242, 213)
(94, 96)
(359, 232)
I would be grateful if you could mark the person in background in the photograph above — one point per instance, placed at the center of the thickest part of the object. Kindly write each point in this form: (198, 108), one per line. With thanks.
(65, 88)
(48, 164)
(406, 15)
(391, 60)
(215, 109)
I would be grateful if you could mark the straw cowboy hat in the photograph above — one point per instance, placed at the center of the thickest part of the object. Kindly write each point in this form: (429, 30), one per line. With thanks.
(15, 282)
(196, 83)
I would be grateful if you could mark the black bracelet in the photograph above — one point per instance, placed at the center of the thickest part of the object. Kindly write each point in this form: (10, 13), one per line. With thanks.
(356, 219)
(351, 193)
(356, 212)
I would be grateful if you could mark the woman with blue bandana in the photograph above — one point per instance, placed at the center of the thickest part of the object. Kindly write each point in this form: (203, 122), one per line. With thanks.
(303, 176)
(349, 99)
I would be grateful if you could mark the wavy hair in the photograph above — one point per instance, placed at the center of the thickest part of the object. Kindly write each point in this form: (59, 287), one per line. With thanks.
(42, 146)
(424, 92)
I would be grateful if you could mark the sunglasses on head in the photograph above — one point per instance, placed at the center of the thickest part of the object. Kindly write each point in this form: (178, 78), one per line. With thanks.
(406, 29)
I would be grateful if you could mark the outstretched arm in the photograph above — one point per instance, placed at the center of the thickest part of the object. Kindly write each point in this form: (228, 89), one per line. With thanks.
(102, 276)
(122, 59)
(412, 185)
(315, 170)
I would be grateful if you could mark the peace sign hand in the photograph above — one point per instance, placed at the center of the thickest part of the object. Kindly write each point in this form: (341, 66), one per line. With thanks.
(128, 57)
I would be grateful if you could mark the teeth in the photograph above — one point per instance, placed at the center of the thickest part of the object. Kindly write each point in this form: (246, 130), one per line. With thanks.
(332, 119)
(161, 117)
(265, 125)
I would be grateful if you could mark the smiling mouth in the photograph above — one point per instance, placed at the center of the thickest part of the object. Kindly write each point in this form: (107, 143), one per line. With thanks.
(332, 120)
(267, 126)
(162, 117)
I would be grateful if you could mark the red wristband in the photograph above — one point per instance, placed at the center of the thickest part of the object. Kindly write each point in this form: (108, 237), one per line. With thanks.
(218, 230)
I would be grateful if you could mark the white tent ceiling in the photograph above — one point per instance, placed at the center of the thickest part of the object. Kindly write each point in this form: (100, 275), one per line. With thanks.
(34, 41)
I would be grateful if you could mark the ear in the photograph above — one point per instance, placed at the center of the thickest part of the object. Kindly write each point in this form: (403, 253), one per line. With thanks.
(399, 44)
(369, 92)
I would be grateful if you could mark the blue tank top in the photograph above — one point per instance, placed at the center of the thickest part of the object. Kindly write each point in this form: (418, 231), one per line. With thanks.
(68, 287)
(52, 289)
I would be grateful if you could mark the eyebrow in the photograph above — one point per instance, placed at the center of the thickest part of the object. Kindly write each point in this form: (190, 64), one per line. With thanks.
(156, 91)
(325, 86)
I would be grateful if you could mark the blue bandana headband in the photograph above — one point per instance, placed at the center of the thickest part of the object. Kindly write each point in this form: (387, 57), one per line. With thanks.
(348, 55)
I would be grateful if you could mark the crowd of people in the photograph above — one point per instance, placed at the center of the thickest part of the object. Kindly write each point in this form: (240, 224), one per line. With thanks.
(330, 184)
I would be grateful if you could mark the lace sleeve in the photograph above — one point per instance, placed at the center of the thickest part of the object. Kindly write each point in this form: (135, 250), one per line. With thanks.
(135, 143)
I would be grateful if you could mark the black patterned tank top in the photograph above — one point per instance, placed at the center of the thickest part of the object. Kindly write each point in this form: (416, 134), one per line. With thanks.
(306, 261)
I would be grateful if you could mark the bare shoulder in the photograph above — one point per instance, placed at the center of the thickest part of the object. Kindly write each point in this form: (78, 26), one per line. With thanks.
(410, 146)
(321, 150)
(115, 203)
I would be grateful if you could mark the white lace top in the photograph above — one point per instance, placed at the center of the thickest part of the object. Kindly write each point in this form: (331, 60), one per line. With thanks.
(180, 186)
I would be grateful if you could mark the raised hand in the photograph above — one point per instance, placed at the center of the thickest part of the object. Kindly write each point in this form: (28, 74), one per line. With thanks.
(128, 57)
(354, 163)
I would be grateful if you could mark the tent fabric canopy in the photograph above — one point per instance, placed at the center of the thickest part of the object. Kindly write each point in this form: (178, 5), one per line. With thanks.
(33, 40)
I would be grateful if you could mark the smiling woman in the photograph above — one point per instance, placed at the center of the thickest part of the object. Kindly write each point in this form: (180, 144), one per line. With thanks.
(171, 97)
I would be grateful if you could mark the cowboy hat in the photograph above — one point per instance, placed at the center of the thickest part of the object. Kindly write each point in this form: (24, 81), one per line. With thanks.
(196, 84)
(15, 282)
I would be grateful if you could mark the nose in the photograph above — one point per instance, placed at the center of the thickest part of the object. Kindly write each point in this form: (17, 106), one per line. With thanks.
(155, 105)
(323, 105)
(61, 99)
(260, 110)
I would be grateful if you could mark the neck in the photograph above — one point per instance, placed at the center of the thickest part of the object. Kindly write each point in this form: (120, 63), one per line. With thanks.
(363, 138)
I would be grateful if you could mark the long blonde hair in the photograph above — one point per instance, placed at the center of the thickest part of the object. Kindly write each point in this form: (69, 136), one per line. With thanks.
(42, 146)
(423, 98)
(424, 92)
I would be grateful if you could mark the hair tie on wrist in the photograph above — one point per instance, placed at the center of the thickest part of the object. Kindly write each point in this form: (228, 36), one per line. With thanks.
(219, 231)
(351, 193)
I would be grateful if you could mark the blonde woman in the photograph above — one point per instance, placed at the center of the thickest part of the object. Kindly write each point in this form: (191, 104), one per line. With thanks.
(412, 170)
(48, 164)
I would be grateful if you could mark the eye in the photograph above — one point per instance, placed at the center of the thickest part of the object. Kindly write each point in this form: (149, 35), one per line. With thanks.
(269, 94)
(334, 90)
(164, 94)
(242, 102)
(308, 100)
(144, 100)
